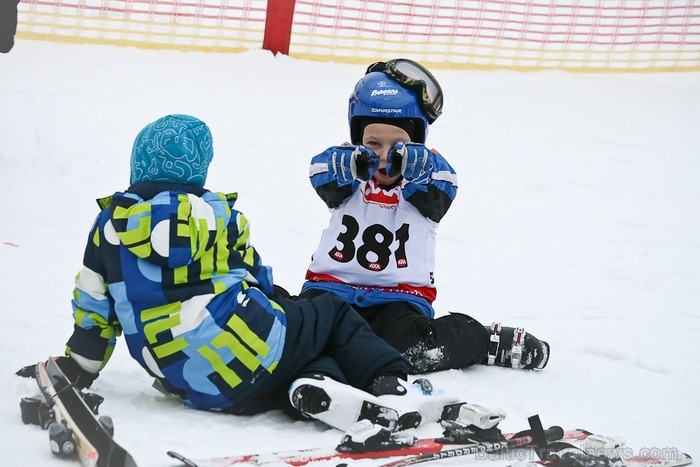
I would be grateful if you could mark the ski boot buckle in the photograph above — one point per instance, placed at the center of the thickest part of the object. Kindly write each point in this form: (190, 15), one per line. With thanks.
(516, 350)
(494, 342)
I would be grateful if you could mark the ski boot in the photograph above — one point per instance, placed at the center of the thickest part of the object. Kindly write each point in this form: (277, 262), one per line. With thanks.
(417, 403)
(340, 405)
(515, 348)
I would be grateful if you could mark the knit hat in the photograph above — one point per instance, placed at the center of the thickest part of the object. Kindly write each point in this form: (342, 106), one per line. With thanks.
(406, 124)
(174, 148)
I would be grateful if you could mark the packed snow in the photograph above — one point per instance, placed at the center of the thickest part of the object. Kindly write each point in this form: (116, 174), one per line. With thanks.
(578, 217)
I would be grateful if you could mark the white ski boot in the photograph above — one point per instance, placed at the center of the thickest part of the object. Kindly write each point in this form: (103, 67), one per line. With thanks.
(417, 403)
(389, 402)
(340, 405)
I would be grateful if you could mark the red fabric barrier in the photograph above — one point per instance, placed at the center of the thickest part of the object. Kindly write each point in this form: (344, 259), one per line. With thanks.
(278, 27)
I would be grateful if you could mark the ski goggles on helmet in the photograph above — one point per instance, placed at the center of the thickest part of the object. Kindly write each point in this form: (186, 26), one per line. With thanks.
(414, 76)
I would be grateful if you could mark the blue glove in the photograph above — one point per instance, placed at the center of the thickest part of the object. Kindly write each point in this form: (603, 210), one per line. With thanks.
(412, 160)
(350, 162)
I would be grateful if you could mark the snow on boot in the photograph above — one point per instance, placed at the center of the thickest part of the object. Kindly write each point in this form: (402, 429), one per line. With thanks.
(339, 405)
(417, 403)
(515, 348)
(365, 436)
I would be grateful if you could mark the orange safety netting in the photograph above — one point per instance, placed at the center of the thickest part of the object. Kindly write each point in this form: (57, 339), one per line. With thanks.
(576, 35)
(597, 35)
(207, 25)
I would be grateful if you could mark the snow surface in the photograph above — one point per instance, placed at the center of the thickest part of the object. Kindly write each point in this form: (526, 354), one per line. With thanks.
(578, 217)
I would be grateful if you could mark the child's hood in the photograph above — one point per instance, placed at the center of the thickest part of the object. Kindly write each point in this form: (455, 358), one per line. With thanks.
(173, 228)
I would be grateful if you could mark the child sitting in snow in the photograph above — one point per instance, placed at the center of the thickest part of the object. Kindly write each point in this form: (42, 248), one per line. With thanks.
(170, 265)
(387, 193)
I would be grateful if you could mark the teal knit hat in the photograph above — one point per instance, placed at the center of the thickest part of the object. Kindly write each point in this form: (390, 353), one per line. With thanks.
(174, 148)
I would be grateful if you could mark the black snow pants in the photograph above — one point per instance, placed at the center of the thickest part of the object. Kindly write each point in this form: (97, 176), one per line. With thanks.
(324, 335)
(429, 344)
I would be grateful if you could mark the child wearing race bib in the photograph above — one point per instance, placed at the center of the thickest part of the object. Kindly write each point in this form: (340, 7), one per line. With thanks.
(387, 193)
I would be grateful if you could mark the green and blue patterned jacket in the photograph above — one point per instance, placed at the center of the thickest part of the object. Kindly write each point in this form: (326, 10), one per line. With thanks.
(171, 266)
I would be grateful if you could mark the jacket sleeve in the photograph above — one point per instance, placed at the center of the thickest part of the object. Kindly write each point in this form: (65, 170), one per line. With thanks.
(434, 198)
(324, 180)
(95, 327)
(258, 274)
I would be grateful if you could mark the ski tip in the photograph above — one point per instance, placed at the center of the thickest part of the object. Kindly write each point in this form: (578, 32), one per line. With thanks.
(181, 458)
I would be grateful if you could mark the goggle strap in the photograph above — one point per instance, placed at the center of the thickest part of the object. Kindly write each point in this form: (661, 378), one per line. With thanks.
(431, 107)
(377, 66)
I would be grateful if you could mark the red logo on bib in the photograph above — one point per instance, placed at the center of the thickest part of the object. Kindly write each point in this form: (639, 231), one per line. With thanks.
(374, 194)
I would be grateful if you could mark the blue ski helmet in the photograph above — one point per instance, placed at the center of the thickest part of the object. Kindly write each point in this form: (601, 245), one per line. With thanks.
(378, 96)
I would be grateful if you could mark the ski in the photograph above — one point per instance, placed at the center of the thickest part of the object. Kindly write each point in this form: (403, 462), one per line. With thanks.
(604, 451)
(306, 456)
(587, 451)
(525, 439)
(653, 459)
(71, 418)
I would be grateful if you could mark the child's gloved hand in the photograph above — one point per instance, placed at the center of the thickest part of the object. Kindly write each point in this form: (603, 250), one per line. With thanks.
(412, 160)
(73, 371)
(349, 162)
